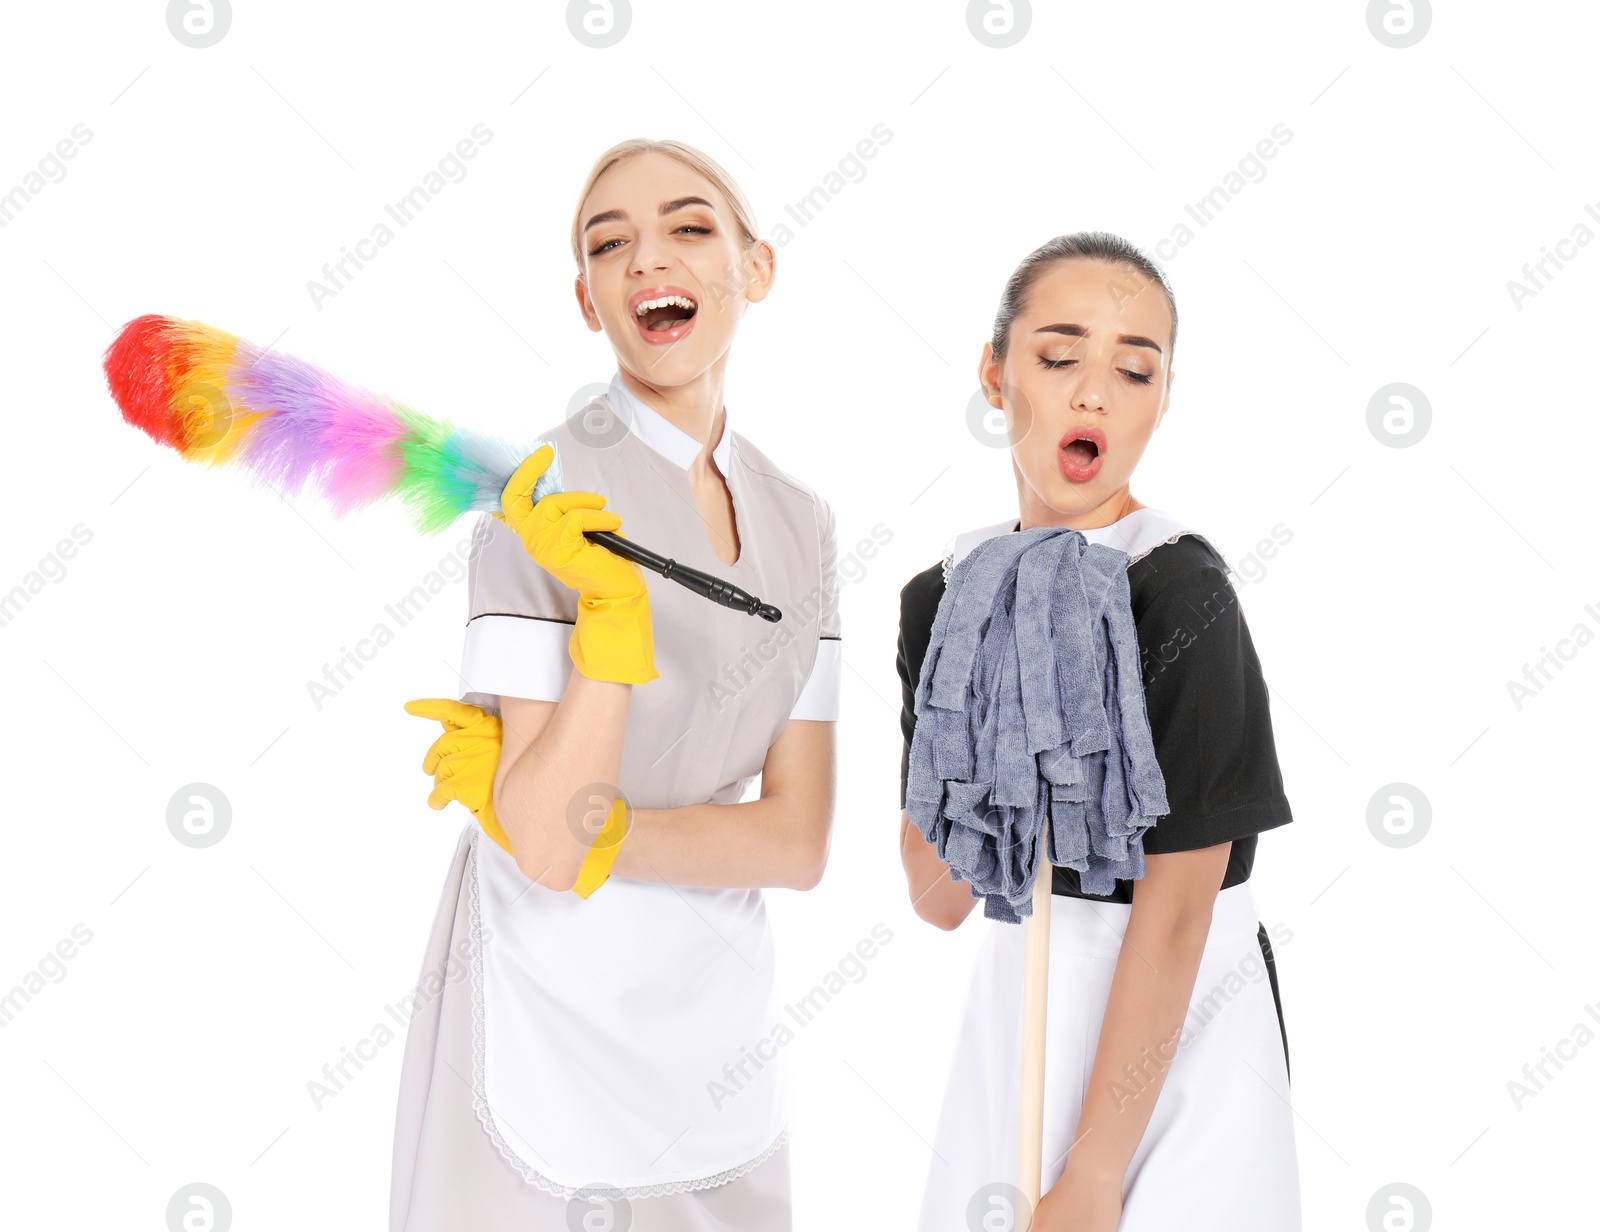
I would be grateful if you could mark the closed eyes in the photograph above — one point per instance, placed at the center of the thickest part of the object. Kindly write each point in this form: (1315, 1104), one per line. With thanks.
(1138, 378)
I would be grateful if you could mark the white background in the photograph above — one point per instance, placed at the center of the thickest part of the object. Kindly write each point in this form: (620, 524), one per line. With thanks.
(176, 645)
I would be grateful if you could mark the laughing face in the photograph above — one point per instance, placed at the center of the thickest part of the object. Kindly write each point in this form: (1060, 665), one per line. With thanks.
(1083, 385)
(666, 272)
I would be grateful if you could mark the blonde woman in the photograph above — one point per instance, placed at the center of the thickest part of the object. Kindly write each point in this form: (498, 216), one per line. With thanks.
(599, 1045)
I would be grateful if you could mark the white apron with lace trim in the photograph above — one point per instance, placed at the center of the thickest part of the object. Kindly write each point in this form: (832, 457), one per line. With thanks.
(625, 1040)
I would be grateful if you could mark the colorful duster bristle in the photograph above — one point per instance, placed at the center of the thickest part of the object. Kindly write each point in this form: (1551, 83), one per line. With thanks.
(217, 399)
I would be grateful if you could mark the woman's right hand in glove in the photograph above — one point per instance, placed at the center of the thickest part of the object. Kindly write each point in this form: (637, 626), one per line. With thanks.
(612, 639)
(463, 761)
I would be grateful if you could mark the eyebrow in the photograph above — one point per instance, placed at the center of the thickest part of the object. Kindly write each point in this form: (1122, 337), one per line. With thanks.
(1078, 331)
(667, 207)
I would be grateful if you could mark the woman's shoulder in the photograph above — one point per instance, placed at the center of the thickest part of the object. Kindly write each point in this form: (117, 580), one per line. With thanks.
(578, 449)
(919, 604)
(924, 589)
(1186, 562)
(755, 460)
(1187, 551)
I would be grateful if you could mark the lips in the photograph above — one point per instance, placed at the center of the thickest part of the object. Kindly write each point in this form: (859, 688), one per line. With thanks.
(1081, 452)
(670, 314)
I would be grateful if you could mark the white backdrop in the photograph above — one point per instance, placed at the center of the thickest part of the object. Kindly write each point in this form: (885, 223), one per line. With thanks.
(176, 1002)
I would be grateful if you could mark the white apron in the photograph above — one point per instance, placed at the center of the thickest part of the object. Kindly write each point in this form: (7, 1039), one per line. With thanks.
(603, 1028)
(1218, 1154)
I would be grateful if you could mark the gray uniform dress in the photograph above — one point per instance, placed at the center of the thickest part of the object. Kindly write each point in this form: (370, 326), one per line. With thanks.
(570, 1055)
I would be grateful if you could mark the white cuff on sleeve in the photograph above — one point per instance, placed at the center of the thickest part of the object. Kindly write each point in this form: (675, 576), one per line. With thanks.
(515, 656)
(820, 697)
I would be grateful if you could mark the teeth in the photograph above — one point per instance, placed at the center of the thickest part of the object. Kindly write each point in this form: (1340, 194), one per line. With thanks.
(666, 301)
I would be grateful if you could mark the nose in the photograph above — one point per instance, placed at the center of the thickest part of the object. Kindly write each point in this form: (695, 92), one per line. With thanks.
(647, 258)
(1089, 395)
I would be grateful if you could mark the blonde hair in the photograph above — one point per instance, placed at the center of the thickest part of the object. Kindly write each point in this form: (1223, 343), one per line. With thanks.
(690, 157)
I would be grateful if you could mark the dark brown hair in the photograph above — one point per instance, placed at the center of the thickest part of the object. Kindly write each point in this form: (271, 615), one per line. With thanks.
(1079, 246)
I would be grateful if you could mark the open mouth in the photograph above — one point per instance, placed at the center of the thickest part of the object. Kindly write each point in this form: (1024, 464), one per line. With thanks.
(664, 316)
(1081, 452)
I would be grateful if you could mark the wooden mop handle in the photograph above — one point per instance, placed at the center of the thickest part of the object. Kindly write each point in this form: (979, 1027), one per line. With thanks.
(1035, 987)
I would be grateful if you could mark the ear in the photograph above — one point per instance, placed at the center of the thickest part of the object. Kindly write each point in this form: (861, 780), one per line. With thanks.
(758, 270)
(591, 318)
(989, 375)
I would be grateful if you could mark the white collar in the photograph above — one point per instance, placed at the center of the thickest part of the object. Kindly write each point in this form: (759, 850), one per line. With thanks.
(661, 434)
(1135, 533)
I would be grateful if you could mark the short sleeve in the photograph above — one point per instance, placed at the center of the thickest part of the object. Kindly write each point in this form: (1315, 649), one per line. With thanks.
(1210, 716)
(919, 601)
(819, 696)
(519, 622)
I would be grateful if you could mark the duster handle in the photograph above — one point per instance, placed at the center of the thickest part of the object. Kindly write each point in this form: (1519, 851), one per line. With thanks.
(702, 583)
(1035, 989)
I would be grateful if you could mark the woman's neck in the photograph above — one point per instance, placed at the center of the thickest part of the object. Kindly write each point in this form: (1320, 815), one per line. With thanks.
(1034, 512)
(695, 409)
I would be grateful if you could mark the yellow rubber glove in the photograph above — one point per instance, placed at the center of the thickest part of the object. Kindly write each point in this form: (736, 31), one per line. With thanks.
(463, 761)
(596, 867)
(612, 638)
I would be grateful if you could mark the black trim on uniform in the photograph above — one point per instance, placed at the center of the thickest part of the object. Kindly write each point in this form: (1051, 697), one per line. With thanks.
(1272, 978)
(555, 620)
(562, 620)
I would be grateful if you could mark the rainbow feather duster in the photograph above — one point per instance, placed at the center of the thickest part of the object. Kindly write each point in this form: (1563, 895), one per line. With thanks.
(217, 400)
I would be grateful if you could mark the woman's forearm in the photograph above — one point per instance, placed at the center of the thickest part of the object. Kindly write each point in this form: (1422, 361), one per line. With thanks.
(551, 751)
(780, 839)
(1150, 990)
(1139, 1035)
(935, 897)
(769, 842)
